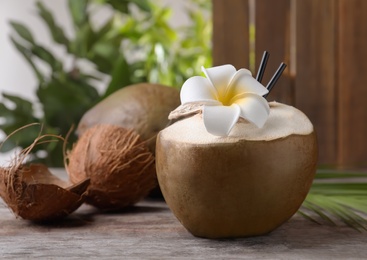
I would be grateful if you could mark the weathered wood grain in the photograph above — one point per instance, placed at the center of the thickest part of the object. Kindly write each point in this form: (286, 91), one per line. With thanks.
(352, 78)
(316, 70)
(150, 231)
(231, 33)
(272, 34)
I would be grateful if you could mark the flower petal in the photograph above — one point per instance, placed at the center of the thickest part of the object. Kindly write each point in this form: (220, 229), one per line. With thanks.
(219, 120)
(254, 108)
(197, 89)
(220, 77)
(243, 82)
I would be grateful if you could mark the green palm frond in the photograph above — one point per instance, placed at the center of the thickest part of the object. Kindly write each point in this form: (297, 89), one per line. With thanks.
(337, 196)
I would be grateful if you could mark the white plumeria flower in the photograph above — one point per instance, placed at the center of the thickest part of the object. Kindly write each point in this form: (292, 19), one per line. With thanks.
(227, 94)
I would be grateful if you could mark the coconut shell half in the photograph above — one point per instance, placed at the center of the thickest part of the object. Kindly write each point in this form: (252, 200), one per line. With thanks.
(33, 193)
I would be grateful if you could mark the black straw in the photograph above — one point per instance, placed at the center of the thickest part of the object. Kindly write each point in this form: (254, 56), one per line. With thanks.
(261, 70)
(275, 78)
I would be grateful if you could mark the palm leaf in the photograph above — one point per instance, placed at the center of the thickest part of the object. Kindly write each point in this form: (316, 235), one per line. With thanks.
(337, 196)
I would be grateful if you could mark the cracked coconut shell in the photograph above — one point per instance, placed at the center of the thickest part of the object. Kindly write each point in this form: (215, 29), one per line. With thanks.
(244, 184)
(120, 166)
(33, 193)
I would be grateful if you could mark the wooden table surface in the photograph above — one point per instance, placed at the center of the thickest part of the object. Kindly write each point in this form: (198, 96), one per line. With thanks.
(150, 231)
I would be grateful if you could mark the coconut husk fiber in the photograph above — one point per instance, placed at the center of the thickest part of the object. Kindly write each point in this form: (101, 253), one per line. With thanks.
(119, 164)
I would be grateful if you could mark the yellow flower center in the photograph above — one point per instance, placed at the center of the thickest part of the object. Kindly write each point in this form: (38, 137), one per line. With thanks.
(226, 98)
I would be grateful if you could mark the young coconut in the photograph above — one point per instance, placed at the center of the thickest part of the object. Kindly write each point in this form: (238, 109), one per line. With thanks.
(234, 167)
(120, 166)
(142, 107)
(33, 193)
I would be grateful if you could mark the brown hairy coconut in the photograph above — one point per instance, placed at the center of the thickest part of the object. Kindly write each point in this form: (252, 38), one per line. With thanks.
(33, 193)
(142, 107)
(120, 166)
(245, 184)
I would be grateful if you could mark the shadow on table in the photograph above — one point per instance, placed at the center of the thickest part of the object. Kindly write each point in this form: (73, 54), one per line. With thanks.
(86, 214)
(140, 208)
(74, 220)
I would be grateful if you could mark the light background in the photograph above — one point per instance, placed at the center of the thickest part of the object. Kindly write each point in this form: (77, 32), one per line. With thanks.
(16, 77)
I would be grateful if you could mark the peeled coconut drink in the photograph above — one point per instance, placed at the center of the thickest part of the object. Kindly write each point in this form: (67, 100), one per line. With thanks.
(234, 165)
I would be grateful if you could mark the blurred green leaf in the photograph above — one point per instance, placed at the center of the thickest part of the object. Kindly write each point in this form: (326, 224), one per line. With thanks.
(65, 102)
(22, 31)
(56, 31)
(103, 63)
(78, 10)
(105, 29)
(120, 76)
(83, 41)
(142, 4)
(104, 54)
(20, 115)
(28, 56)
(105, 49)
(46, 56)
(120, 5)
(23, 106)
(123, 5)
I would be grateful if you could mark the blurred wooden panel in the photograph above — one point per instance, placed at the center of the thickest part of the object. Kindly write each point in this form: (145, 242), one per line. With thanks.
(325, 45)
(316, 64)
(231, 32)
(272, 33)
(352, 77)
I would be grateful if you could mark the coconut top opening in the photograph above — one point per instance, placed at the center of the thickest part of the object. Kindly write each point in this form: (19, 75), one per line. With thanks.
(283, 121)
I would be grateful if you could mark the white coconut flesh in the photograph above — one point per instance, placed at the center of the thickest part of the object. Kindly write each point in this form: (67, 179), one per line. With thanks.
(283, 121)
